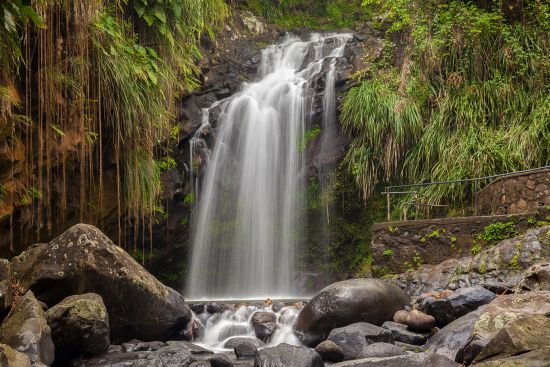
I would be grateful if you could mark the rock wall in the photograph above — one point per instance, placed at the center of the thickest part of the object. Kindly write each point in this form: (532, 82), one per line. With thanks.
(403, 246)
(519, 193)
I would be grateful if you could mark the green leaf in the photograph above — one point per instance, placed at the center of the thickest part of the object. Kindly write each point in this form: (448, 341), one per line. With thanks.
(160, 14)
(148, 19)
(140, 9)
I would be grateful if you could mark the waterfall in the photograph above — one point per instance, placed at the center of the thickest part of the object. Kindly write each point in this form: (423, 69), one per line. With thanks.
(248, 218)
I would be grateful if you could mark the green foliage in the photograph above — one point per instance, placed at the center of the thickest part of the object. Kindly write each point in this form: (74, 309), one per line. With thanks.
(498, 231)
(388, 253)
(167, 163)
(514, 262)
(189, 199)
(417, 260)
(434, 233)
(476, 249)
(393, 229)
(475, 80)
(309, 136)
(482, 268)
(315, 14)
(14, 15)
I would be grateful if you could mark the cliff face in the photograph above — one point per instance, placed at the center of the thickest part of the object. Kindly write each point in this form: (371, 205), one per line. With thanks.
(228, 61)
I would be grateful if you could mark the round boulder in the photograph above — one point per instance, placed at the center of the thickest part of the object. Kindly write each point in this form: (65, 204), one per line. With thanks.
(80, 325)
(262, 317)
(419, 321)
(9, 357)
(285, 355)
(264, 331)
(245, 350)
(330, 351)
(347, 302)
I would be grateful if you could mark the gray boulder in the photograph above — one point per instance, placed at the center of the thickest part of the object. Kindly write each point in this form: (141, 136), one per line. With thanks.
(536, 358)
(354, 338)
(382, 350)
(83, 259)
(245, 350)
(536, 278)
(453, 337)
(220, 360)
(285, 355)
(233, 342)
(347, 302)
(26, 330)
(5, 287)
(262, 317)
(401, 333)
(457, 304)
(406, 360)
(265, 330)
(80, 325)
(330, 351)
(9, 357)
(167, 356)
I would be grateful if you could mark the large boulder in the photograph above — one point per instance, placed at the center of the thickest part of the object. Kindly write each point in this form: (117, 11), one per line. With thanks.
(25, 329)
(167, 356)
(382, 350)
(84, 260)
(354, 338)
(347, 302)
(405, 360)
(517, 337)
(285, 355)
(536, 278)
(80, 325)
(245, 350)
(452, 338)
(536, 358)
(456, 304)
(9, 357)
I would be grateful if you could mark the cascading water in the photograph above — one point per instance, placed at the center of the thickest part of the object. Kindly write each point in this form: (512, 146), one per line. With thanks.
(248, 217)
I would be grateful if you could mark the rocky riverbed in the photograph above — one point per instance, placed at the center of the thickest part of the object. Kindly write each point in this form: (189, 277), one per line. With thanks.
(82, 301)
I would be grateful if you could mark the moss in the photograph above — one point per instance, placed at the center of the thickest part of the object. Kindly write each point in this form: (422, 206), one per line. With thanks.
(434, 233)
(388, 253)
(498, 231)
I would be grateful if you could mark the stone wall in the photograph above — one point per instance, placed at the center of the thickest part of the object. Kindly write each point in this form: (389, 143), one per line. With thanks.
(518, 193)
(402, 246)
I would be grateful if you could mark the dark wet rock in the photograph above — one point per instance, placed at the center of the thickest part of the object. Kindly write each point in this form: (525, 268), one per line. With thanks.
(418, 321)
(26, 330)
(220, 360)
(347, 302)
(453, 337)
(245, 350)
(285, 355)
(381, 350)
(264, 331)
(469, 352)
(5, 287)
(83, 259)
(196, 329)
(197, 308)
(457, 304)
(262, 317)
(168, 356)
(190, 347)
(277, 306)
(407, 360)
(214, 307)
(79, 325)
(537, 358)
(139, 346)
(330, 351)
(233, 330)
(233, 342)
(536, 278)
(498, 287)
(9, 357)
(490, 266)
(401, 333)
(354, 338)
(517, 337)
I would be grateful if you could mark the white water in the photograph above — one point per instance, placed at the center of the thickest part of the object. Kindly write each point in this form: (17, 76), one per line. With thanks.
(248, 217)
(221, 327)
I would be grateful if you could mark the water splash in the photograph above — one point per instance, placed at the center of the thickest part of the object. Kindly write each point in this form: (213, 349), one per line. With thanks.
(249, 215)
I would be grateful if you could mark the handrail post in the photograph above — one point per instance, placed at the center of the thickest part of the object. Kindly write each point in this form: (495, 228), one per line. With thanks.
(388, 210)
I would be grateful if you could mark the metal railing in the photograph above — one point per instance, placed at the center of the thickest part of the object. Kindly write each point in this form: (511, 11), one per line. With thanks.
(423, 202)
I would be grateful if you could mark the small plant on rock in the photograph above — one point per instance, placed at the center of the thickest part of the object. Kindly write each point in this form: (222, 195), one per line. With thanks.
(388, 253)
(476, 249)
(417, 260)
(434, 234)
(498, 231)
